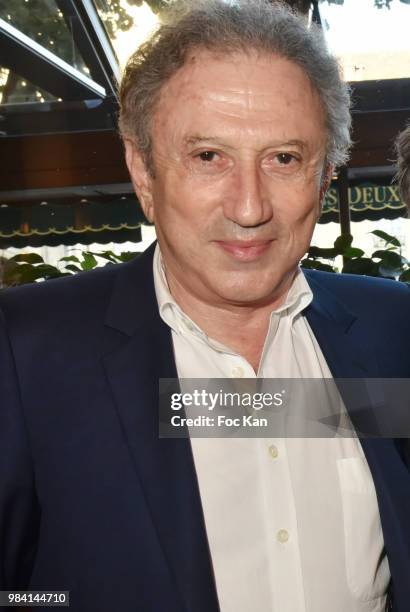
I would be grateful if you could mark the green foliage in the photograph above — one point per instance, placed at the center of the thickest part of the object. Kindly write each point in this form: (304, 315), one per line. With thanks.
(30, 267)
(387, 262)
(387, 238)
(155, 5)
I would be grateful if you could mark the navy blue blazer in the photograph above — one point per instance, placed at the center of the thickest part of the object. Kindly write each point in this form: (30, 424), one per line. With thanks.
(91, 500)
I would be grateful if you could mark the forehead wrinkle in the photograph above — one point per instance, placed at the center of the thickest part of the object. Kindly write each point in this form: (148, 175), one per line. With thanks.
(230, 98)
(235, 101)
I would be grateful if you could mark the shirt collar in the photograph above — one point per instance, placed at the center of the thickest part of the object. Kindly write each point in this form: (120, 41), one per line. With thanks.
(298, 298)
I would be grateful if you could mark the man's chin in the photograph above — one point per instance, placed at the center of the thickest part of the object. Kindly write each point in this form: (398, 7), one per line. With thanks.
(257, 288)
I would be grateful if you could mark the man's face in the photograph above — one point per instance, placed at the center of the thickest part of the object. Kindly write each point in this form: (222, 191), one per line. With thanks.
(238, 151)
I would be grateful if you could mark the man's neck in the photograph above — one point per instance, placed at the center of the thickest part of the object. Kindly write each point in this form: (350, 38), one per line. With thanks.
(242, 328)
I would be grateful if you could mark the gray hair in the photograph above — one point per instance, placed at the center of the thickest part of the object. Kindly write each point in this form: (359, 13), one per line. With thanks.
(223, 26)
(402, 146)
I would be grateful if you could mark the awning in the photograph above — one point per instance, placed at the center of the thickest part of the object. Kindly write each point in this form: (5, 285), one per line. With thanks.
(93, 215)
(84, 222)
(366, 201)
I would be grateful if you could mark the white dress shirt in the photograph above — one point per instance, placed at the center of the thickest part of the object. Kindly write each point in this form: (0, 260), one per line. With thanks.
(293, 524)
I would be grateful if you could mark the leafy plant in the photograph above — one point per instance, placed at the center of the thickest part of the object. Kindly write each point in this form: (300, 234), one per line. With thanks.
(387, 262)
(29, 267)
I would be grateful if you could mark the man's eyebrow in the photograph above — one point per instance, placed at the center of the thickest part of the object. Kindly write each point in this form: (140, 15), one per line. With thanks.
(290, 143)
(198, 139)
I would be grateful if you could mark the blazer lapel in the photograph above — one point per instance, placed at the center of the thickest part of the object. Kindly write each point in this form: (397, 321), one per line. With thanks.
(331, 323)
(139, 352)
(350, 364)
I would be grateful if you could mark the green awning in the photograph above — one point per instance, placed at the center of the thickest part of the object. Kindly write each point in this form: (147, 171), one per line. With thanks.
(118, 218)
(84, 222)
(366, 201)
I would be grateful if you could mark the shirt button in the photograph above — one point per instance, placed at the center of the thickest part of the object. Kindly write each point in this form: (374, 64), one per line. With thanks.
(238, 372)
(273, 451)
(282, 536)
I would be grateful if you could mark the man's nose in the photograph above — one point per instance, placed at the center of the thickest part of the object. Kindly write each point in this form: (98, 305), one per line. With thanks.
(247, 203)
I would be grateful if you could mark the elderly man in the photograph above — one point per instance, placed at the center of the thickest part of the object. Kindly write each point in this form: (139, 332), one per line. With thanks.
(233, 117)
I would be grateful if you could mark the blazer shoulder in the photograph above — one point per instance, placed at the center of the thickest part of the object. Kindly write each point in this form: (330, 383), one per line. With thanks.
(378, 311)
(357, 291)
(56, 298)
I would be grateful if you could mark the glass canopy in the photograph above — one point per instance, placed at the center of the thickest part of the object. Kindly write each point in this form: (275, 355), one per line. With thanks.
(43, 22)
(58, 52)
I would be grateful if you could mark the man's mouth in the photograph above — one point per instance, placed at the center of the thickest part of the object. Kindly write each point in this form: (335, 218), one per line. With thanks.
(245, 250)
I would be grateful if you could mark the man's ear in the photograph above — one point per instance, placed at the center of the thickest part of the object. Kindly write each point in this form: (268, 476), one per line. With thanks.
(141, 178)
(325, 181)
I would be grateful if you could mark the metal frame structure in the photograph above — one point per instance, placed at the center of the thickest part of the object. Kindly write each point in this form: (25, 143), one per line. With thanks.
(87, 102)
(32, 61)
(92, 41)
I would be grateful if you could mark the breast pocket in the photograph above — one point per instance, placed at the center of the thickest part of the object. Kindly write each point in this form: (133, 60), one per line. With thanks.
(367, 568)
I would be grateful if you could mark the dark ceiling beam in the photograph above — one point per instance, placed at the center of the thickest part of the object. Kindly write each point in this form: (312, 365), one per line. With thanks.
(38, 65)
(62, 194)
(92, 41)
(62, 160)
(52, 117)
(93, 158)
(374, 133)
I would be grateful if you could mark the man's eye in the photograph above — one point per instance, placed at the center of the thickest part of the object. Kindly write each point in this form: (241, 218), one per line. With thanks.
(209, 162)
(285, 158)
(207, 156)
